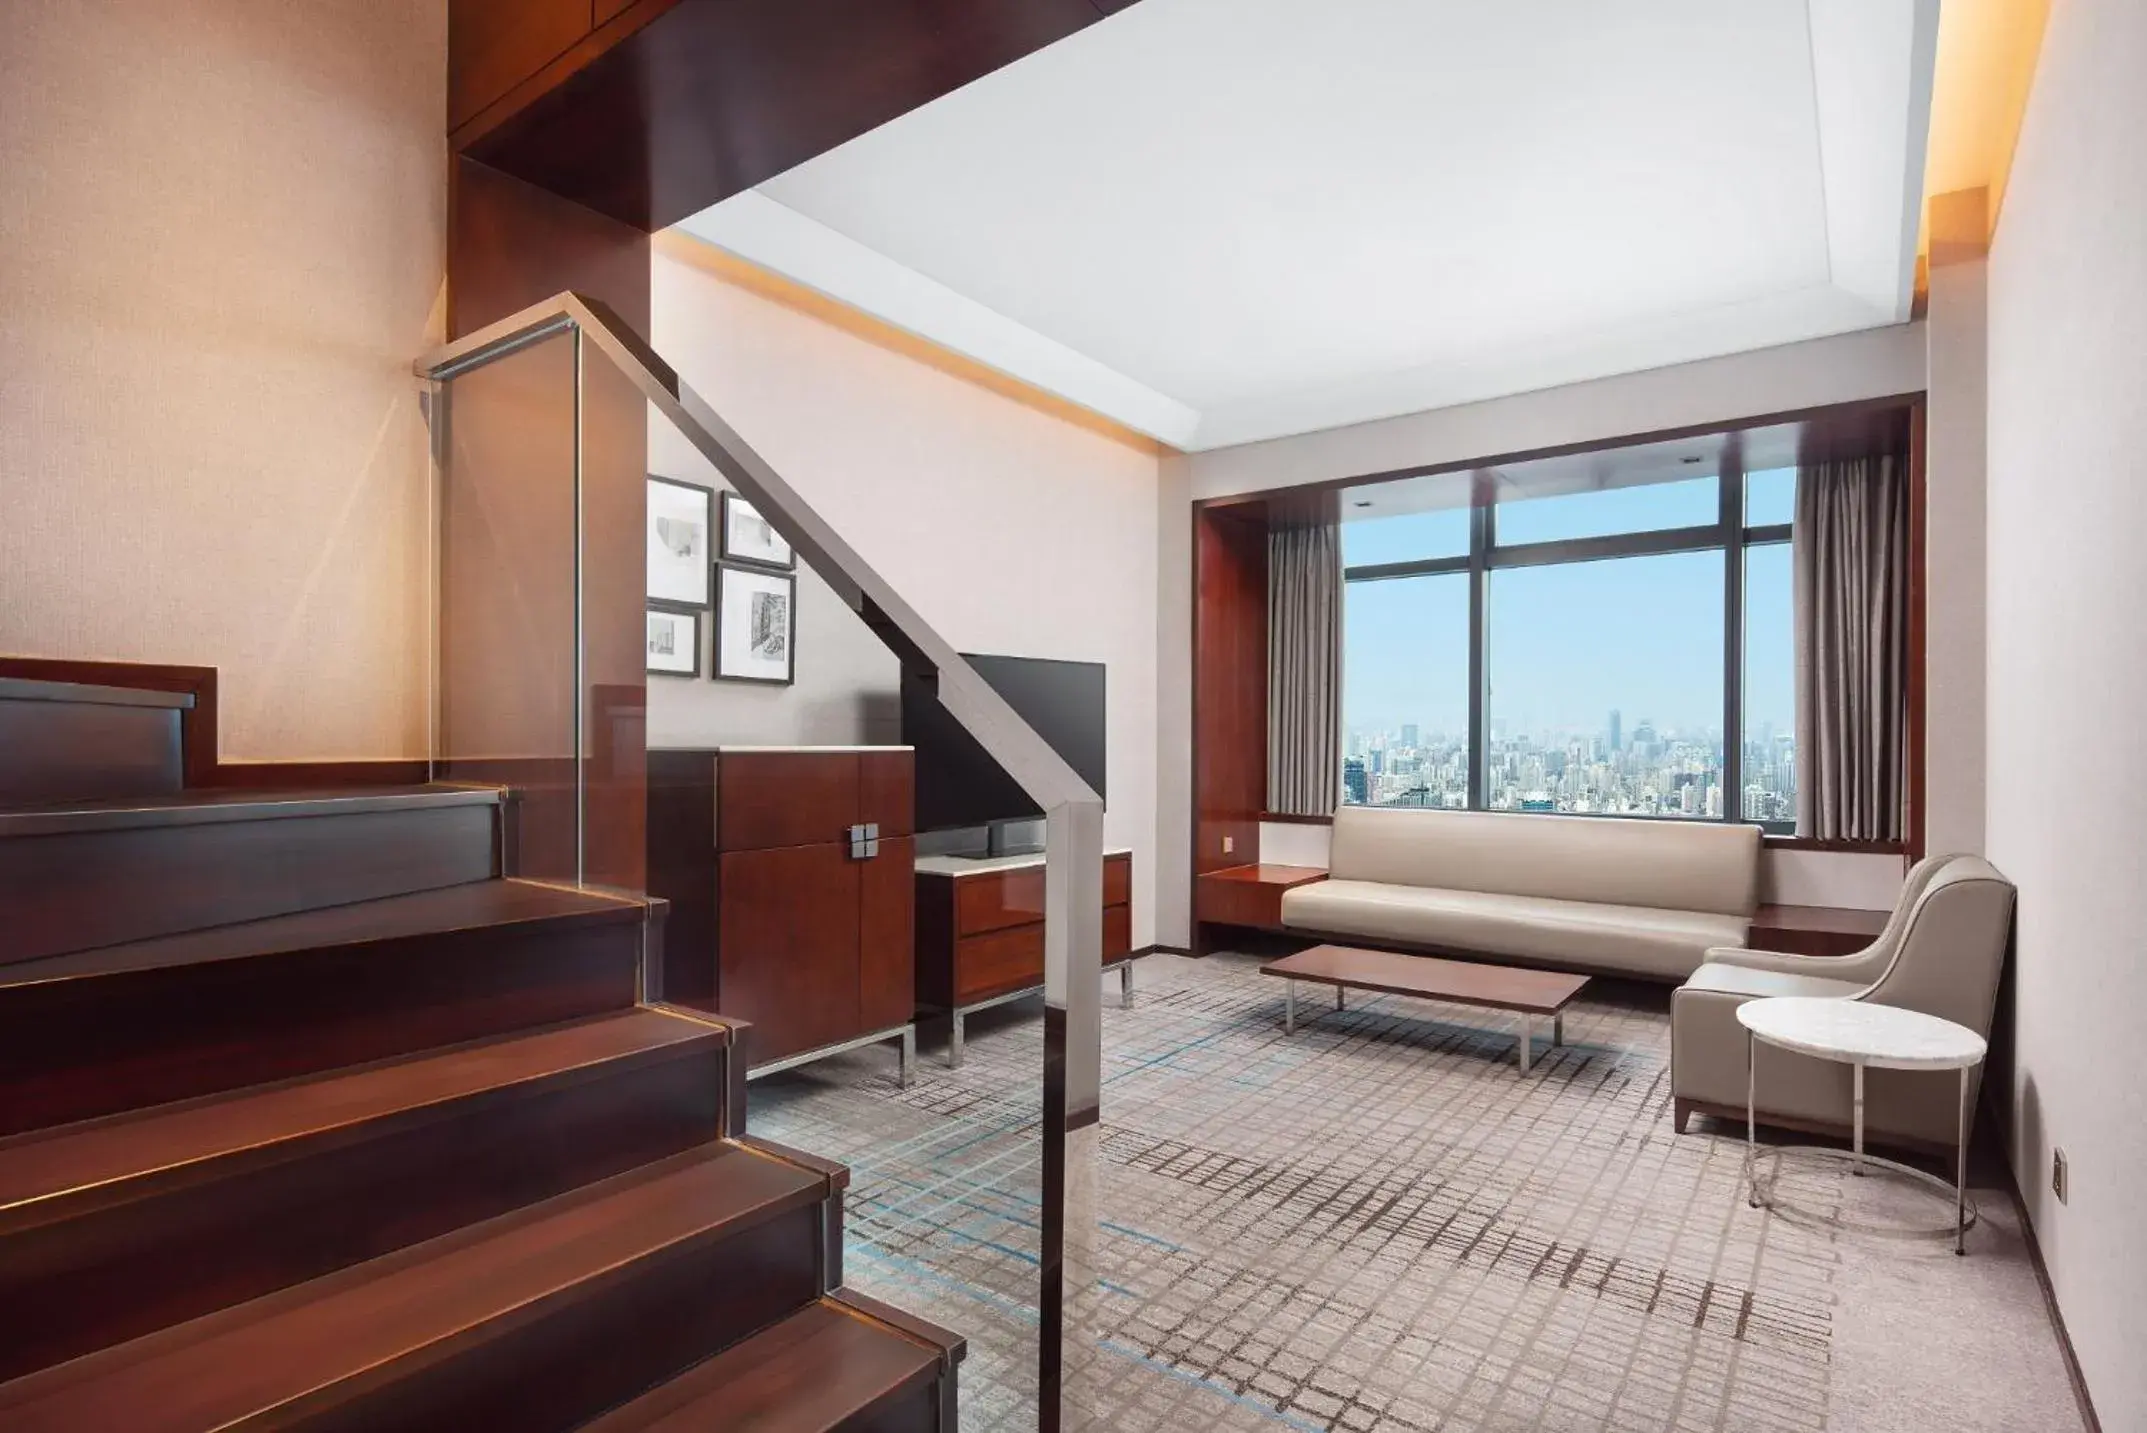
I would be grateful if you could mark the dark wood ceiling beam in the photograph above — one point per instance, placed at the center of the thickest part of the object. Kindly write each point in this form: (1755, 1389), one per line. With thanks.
(665, 107)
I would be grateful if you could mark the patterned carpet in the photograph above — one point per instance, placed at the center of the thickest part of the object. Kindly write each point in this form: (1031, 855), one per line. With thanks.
(1375, 1225)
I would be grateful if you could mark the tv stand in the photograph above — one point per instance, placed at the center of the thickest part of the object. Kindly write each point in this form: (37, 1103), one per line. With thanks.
(980, 932)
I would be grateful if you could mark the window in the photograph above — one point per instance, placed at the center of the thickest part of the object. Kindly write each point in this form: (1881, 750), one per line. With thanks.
(1407, 537)
(1647, 507)
(1603, 687)
(1604, 649)
(1770, 688)
(1405, 681)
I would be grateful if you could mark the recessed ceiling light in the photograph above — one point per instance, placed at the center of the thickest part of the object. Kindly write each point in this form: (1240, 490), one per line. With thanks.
(1693, 459)
(1363, 502)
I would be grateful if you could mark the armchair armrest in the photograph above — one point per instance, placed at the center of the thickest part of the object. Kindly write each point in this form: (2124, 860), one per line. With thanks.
(1860, 967)
(1780, 962)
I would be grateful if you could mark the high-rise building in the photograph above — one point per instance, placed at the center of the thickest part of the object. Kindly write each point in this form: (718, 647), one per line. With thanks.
(1354, 788)
(1617, 730)
(1409, 734)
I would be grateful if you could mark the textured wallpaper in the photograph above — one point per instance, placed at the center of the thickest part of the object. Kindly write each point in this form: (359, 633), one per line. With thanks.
(220, 248)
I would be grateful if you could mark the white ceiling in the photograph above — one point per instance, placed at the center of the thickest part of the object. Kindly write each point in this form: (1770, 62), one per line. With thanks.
(1217, 221)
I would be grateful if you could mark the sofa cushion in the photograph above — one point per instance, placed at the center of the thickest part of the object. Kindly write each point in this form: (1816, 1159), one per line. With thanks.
(1528, 929)
(1669, 865)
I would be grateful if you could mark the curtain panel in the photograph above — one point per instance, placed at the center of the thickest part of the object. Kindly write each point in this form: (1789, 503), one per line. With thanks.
(1850, 541)
(1304, 664)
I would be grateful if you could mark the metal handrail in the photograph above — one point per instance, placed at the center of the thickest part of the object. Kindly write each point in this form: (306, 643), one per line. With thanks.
(1073, 872)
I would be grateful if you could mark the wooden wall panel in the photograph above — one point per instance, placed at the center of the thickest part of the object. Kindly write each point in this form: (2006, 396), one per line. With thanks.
(493, 45)
(681, 836)
(510, 244)
(1229, 684)
(672, 109)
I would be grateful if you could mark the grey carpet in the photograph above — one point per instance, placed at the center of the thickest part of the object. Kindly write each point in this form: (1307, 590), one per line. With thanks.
(1379, 1224)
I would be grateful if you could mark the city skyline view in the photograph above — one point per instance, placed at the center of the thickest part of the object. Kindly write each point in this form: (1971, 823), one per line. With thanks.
(1603, 679)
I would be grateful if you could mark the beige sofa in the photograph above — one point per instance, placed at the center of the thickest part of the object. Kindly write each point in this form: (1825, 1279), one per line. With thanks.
(1643, 898)
(1941, 953)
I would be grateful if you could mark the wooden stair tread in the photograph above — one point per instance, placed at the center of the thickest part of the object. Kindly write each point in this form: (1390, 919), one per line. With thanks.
(45, 1173)
(805, 1374)
(216, 806)
(472, 904)
(357, 1328)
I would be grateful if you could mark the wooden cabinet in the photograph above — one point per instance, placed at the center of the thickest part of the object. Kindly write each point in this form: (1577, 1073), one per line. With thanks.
(1249, 895)
(784, 914)
(980, 926)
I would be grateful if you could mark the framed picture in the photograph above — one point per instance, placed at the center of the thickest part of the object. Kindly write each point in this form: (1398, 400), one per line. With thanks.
(674, 643)
(748, 537)
(756, 625)
(681, 520)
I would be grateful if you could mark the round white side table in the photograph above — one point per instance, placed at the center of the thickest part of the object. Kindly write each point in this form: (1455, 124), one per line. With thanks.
(1861, 1034)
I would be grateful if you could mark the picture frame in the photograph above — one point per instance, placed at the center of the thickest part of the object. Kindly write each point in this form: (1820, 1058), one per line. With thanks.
(680, 538)
(756, 632)
(751, 539)
(674, 642)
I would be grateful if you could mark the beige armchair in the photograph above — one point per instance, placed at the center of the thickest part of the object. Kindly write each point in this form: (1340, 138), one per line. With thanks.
(1941, 952)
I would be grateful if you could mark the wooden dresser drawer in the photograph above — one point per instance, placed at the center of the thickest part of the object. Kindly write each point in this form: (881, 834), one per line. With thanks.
(994, 900)
(994, 963)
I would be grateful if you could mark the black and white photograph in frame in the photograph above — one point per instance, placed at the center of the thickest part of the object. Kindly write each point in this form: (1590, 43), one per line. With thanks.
(756, 625)
(749, 537)
(681, 521)
(674, 643)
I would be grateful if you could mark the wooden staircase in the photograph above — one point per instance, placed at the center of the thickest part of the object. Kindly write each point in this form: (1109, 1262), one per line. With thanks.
(310, 1117)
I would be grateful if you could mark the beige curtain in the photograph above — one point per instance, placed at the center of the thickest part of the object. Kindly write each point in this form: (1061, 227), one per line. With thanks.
(1852, 576)
(1304, 663)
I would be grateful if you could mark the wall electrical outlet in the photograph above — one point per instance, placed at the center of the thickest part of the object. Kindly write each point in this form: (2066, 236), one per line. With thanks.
(1230, 844)
(2060, 1177)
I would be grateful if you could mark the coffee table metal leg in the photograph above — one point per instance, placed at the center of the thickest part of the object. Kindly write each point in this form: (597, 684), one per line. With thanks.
(954, 1043)
(1528, 1038)
(1960, 1174)
(1125, 986)
(1751, 1124)
(1338, 997)
(1558, 1028)
(908, 1055)
(1289, 1007)
(1856, 1129)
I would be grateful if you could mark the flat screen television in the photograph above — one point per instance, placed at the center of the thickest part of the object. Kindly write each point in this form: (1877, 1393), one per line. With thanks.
(958, 785)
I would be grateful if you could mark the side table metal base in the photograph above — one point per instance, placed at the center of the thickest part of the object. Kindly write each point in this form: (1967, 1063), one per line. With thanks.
(1762, 1195)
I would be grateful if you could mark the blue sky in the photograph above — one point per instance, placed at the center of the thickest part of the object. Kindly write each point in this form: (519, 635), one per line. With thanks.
(1568, 643)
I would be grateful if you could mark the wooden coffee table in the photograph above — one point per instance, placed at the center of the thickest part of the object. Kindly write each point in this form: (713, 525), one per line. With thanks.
(1529, 993)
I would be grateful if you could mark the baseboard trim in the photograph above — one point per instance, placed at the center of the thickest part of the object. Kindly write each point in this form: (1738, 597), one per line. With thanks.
(2050, 1303)
(1137, 953)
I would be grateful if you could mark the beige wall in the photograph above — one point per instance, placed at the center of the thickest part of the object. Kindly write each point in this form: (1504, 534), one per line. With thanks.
(1875, 364)
(2068, 667)
(1174, 705)
(1009, 529)
(220, 248)
(1955, 502)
